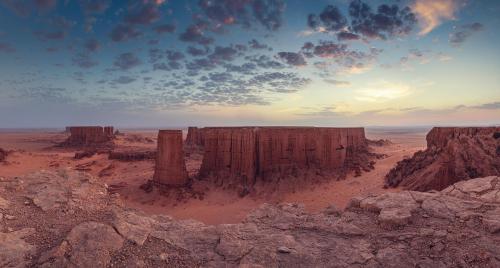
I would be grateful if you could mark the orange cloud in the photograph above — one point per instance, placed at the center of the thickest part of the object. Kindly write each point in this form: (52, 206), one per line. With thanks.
(432, 13)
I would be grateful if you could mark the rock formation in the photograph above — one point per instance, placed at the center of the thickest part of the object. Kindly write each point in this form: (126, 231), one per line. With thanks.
(3, 154)
(108, 131)
(452, 154)
(243, 155)
(195, 136)
(89, 136)
(68, 219)
(170, 166)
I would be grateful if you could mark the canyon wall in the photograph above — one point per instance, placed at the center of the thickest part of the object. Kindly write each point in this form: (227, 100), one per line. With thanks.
(170, 166)
(453, 154)
(196, 136)
(88, 136)
(243, 155)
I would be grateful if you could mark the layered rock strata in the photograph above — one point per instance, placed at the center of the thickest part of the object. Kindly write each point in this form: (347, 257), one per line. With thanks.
(453, 154)
(243, 155)
(89, 136)
(170, 166)
(68, 219)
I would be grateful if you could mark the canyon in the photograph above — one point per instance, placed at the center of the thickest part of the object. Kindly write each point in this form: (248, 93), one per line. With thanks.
(453, 154)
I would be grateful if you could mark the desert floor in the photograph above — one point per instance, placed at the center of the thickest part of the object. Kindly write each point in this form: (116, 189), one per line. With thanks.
(32, 150)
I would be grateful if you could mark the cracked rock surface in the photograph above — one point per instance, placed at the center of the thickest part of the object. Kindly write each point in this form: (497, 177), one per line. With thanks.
(67, 219)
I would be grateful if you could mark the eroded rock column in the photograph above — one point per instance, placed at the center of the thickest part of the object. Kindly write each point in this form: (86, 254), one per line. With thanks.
(170, 165)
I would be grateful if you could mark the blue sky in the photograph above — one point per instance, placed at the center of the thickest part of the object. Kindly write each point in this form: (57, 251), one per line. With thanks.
(155, 63)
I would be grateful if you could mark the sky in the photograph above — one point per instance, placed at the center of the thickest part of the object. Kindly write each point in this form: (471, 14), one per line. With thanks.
(159, 63)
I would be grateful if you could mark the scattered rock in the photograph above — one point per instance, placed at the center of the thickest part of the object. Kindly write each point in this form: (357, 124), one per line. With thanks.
(14, 250)
(284, 250)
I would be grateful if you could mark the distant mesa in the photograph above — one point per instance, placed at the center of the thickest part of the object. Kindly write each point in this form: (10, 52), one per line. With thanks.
(89, 136)
(3, 154)
(453, 154)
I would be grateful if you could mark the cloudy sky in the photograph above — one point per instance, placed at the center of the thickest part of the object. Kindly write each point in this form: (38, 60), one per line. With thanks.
(154, 63)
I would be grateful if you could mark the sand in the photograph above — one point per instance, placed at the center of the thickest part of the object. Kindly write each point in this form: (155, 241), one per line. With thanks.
(34, 150)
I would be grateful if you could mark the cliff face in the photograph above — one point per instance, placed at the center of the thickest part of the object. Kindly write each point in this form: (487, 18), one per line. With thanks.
(195, 136)
(452, 154)
(244, 155)
(109, 131)
(170, 167)
(88, 136)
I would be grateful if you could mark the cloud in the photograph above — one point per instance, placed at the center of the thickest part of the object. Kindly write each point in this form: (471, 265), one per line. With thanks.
(387, 21)
(94, 6)
(488, 106)
(462, 33)
(338, 83)
(269, 13)
(45, 4)
(83, 60)
(123, 32)
(331, 19)
(144, 14)
(254, 44)
(7, 48)
(126, 61)
(164, 28)
(195, 34)
(92, 45)
(431, 13)
(382, 91)
(244, 12)
(174, 55)
(193, 51)
(223, 54)
(124, 80)
(291, 58)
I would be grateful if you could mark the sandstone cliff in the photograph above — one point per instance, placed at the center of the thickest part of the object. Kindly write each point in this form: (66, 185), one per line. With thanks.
(69, 219)
(170, 168)
(195, 136)
(452, 154)
(243, 155)
(90, 136)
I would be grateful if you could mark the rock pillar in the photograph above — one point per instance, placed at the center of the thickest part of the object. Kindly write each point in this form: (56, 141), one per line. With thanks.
(170, 165)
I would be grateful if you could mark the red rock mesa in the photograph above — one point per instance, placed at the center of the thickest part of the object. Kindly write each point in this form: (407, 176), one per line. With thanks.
(89, 136)
(195, 136)
(452, 154)
(170, 166)
(243, 155)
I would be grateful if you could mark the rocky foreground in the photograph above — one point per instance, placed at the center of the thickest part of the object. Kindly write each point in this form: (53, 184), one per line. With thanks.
(68, 219)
